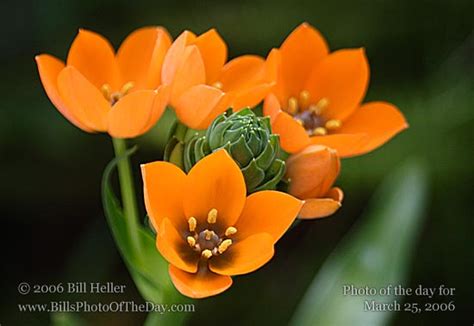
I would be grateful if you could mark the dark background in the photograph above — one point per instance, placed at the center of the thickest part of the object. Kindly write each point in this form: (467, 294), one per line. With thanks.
(53, 229)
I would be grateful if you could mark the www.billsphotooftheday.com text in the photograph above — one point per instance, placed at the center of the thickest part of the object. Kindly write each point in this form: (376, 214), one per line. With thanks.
(35, 291)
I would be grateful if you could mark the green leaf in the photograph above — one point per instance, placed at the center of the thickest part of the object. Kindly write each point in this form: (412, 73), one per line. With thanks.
(376, 254)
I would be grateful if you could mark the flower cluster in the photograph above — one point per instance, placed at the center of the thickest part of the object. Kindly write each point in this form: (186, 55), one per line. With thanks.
(257, 141)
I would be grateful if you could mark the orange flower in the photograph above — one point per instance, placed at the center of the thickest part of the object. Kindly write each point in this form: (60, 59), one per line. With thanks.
(204, 85)
(99, 91)
(318, 95)
(207, 229)
(312, 173)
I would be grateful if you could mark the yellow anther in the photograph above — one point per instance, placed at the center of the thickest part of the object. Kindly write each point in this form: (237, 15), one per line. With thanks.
(230, 231)
(206, 254)
(293, 105)
(300, 122)
(106, 91)
(333, 124)
(212, 216)
(319, 131)
(304, 99)
(315, 109)
(208, 234)
(323, 103)
(191, 241)
(218, 84)
(224, 245)
(192, 224)
(127, 87)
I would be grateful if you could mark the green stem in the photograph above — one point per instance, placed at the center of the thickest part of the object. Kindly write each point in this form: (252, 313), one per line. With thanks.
(128, 193)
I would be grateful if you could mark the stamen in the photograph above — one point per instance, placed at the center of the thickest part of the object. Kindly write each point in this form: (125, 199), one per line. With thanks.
(314, 108)
(218, 85)
(127, 87)
(323, 103)
(304, 99)
(230, 231)
(333, 124)
(292, 105)
(192, 224)
(206, 254)
(106, 91)
(300, 122)
(191, 241)
(212, 216)
(319, 131)
(224, 245)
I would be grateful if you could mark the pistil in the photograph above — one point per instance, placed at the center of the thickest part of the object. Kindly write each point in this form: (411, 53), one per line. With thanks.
(113, 97)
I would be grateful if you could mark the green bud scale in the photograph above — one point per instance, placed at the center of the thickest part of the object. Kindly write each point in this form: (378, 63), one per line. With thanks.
(249, 140)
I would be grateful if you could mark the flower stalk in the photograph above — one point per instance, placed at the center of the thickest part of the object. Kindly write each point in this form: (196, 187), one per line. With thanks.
(127, 190)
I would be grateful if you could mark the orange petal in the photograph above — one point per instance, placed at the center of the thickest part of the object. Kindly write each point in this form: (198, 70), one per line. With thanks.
(242, 72)
(174, 57)
(244, 256)
(249, 97)
(268, 211)
(379, 120)
(342, 78)
(346, 145)
(215, 182)
(159, 106)
(202, 284)
(163, 186)
(141, 56)
(322, 207)
(200, 105)
(293, 136)
(174, 248)
(302, 49)
(312, 171)
(271, 107)
(49, 68)
(272, 64)
(94, 57)
(214, 53)
(131, 114)
(84, 100)
(189, 74)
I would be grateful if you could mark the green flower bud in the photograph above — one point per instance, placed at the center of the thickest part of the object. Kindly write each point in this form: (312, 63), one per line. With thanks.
(249, 140)
(174, 149)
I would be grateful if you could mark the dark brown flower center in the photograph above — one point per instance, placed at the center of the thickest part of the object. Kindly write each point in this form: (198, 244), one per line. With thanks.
(310, 115)
(207, 242)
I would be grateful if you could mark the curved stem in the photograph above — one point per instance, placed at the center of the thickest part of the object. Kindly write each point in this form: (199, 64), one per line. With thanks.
(128, 193)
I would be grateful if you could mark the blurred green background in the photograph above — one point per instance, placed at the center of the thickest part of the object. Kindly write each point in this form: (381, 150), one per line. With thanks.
(53, 229)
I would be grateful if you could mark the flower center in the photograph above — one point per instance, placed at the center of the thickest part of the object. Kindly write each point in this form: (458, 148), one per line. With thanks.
(113, 97)
(310, 115)
(206, 241)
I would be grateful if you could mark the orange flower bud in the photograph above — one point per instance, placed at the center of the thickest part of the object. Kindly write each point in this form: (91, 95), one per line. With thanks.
(312, 173)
